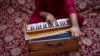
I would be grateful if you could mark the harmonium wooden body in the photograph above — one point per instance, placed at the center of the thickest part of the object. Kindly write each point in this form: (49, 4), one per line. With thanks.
(43, 39)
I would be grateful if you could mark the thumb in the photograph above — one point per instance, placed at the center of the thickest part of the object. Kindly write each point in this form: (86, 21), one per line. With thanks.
(69, 29)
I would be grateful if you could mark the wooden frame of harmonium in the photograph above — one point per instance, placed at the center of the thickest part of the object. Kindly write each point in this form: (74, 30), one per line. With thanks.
(43, 38)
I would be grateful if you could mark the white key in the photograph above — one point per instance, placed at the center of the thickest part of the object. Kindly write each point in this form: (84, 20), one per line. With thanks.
(29, 27)
(64, 22)
(67, 21)
(54, 23)
(46, 24)
(58, 21)
(37, 27)
(61, 23)
(34, 26)
(41, 24)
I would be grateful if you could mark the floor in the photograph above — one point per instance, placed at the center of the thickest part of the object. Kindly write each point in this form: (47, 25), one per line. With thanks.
(15, 13)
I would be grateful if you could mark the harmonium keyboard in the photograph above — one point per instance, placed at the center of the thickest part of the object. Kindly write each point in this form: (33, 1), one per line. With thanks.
(44, 39)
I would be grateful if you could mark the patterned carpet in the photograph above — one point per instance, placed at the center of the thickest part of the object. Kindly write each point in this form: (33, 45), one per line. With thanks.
(15, 13)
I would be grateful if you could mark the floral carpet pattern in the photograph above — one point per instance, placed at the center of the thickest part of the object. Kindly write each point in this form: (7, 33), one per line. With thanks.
(15, 13)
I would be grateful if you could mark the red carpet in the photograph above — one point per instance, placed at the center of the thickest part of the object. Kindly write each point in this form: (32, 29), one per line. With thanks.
(15, 13)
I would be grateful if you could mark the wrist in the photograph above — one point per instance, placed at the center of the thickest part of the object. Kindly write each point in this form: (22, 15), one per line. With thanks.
(44, 14)
(76, 27)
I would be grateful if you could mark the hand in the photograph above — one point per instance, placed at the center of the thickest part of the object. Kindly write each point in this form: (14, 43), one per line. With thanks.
(50, 18)
(75, 31)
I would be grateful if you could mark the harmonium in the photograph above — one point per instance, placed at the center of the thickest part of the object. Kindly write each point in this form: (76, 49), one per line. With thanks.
(44, 39)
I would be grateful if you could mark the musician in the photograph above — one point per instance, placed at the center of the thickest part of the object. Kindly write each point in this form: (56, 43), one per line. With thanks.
(50, 10)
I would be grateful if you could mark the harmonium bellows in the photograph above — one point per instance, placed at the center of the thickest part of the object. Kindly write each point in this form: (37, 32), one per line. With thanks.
(43, 38)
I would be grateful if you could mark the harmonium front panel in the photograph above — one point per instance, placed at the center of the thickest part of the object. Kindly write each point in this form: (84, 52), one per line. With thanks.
(50, 38)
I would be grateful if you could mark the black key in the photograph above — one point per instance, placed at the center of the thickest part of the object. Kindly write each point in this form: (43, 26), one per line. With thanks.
(56, 23)
(31, 27)
(61, 23)
(39, 27)
(36, 27)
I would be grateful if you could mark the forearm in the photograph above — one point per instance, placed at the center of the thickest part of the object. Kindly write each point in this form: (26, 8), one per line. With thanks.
(44, 14)
(74, 20)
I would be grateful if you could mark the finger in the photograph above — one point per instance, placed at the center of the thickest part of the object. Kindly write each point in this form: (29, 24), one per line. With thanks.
(77, 34)
(80, 33)
(73, 34)
(49, 21)
(53, 19)
(68, 30)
